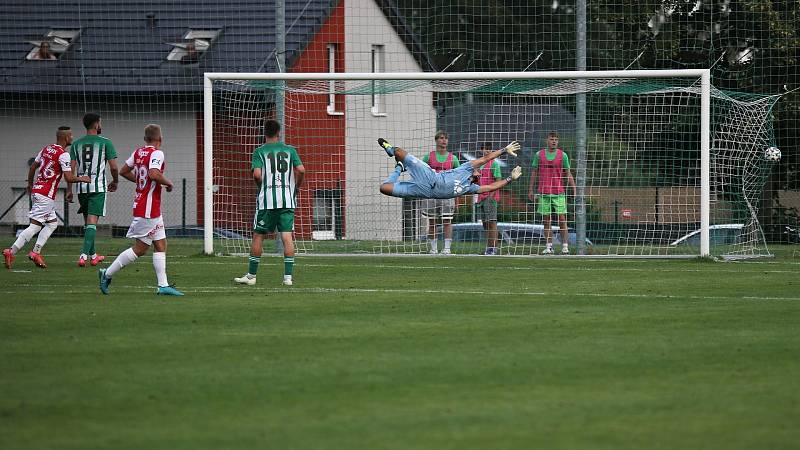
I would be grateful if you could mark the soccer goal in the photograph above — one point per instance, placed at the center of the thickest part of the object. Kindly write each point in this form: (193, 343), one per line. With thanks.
(665, 164)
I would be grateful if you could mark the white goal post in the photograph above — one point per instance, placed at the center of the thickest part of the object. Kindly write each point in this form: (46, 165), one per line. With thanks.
(697, 84)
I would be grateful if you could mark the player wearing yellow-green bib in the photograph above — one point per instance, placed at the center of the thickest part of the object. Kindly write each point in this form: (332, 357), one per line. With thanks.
(278, 173)
(90, 155)
(551, 167)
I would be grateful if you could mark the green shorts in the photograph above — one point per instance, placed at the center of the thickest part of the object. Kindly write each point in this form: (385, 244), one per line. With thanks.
(269, 220)
(93, 204)
(552, 203)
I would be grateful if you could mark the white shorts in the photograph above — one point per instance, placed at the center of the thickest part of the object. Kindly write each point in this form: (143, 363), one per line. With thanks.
(439, 208)
(147, 230)
(43, 209)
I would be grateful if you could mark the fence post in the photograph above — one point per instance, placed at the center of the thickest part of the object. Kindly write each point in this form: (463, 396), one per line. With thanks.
(183, 209)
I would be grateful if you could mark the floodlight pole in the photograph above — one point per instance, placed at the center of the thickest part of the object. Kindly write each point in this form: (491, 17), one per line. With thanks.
(580, 131)
(280, 54)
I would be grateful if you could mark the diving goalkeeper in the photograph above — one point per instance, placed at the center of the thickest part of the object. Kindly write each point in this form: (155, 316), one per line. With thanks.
(425, 183)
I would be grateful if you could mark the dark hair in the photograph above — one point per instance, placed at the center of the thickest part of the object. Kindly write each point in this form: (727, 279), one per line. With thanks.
(90, 120)
(272, 128)
(553, 133)
(63, 131)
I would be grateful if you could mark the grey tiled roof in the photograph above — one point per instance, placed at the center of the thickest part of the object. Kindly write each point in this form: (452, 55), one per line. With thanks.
(119, 51)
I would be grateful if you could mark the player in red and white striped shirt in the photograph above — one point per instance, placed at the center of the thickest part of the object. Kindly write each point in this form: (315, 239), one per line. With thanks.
(53, 162)
(145, 167)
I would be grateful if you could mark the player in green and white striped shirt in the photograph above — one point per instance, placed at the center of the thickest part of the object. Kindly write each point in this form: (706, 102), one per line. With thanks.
(90, 155)
(278, 173)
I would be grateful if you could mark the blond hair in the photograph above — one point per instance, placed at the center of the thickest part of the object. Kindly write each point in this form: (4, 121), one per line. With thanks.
(152, 133)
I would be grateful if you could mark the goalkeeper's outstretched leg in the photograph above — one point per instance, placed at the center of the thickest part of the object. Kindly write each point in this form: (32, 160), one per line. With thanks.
(387, 187)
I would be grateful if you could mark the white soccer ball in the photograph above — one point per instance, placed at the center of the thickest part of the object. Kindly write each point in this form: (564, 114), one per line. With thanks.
(772, 154)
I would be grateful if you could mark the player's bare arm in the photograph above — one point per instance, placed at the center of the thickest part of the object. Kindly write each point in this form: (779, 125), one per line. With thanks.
(532, 186)
(127, 173)
(71, 178)
(571, 182)
(511, 149)
(112, 164)
(158, 176)
(299, 175)
(31, 174)
(515, 173)
(257, 174)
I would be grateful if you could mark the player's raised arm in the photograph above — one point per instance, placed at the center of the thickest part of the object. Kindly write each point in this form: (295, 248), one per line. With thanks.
(512, 148)
(516, 173)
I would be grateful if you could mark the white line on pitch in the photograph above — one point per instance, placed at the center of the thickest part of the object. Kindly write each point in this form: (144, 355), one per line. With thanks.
(320, 290)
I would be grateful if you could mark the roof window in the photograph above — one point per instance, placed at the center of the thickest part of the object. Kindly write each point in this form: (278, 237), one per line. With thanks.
(54, 44)
(195, 43)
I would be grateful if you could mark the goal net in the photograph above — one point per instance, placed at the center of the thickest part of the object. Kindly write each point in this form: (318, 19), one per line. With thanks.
(634, 143)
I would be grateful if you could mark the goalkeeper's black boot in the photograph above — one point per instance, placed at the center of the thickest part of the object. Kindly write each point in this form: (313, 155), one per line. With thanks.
(386, 146)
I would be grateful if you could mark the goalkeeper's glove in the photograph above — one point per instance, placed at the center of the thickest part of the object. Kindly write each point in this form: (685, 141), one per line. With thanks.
(512, 148)
(515, 173)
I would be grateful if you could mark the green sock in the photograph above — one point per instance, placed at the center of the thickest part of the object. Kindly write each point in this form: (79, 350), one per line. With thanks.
(252, 268)
(288, 265)
(88, 239)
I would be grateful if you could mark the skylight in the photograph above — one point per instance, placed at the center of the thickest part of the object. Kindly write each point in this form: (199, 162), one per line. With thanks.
(54, 44)
(195, 43)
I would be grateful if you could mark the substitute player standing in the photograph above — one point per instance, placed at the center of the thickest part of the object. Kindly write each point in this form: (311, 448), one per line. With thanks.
(440, 210)
(278, 173)
(550, 169)
(145, 167)
(53, 162)
(90, 155)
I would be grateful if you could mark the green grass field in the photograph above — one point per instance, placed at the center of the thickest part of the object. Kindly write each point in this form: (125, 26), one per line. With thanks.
(401, 353)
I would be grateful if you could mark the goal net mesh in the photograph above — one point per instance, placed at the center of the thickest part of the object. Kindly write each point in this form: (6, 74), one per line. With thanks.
(639, 174)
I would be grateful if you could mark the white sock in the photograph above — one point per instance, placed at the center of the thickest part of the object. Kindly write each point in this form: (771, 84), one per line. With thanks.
(160, 264)
(26, 235)
(447, 243)
(124, 258)
(550, 245)
(565, 246)
(434, 244)
(44, 235)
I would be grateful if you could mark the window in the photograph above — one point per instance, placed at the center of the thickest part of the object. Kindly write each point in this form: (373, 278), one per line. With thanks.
(195, 43)
(53, 44)
(333, 50)
(323, 219)
(378, 66)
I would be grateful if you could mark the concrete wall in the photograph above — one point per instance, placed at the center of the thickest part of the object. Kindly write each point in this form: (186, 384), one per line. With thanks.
(409, 122)
(24, 137)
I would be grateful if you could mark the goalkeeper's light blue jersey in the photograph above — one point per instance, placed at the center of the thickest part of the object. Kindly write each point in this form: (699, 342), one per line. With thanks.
(425, 183)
